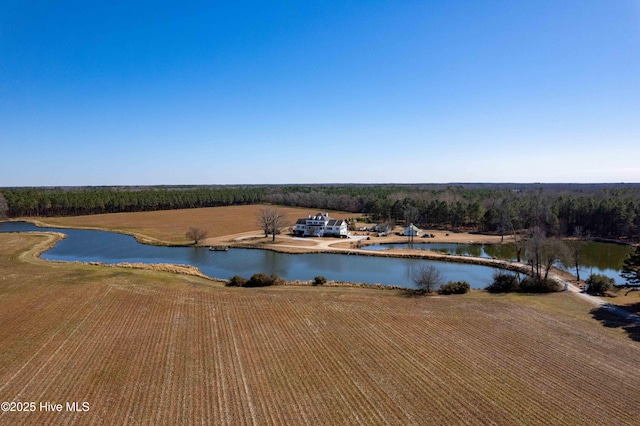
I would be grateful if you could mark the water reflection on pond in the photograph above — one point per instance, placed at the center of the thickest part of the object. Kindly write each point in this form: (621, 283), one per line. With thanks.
(599, 258)
(499, 251)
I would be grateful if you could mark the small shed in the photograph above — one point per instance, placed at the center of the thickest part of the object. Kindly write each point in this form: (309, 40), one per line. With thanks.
(411, 231)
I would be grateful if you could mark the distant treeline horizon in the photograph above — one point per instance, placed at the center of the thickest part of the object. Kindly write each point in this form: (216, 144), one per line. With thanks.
(606, 210)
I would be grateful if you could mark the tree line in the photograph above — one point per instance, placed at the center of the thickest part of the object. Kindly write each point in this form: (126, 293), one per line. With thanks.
(605, 210)
(72, 202)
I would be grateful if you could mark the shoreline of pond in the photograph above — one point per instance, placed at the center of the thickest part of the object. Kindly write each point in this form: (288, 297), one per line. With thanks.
(54, 237)
(414, 254)
(564, 278)
(280, 247)
(423, 254)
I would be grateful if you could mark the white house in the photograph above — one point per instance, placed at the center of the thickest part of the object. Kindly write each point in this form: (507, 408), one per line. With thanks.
(411, 231)
(321, 225)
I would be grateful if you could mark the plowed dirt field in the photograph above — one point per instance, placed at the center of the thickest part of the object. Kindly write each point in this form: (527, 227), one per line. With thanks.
(148, 347)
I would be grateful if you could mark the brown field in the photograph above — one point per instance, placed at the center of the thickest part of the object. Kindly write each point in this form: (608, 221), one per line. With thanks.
(170, 225)
(149, 347)
(227, 224)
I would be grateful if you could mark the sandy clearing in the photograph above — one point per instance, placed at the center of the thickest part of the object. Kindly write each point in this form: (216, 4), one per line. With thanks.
(340, 244)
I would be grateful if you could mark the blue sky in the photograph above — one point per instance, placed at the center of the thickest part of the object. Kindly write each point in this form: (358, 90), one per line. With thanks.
(157, 92)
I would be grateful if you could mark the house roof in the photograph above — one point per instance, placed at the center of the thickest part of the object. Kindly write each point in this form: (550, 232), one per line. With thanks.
(330, 222)
(318, 216)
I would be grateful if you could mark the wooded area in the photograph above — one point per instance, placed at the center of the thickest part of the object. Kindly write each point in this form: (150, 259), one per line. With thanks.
(598, 210)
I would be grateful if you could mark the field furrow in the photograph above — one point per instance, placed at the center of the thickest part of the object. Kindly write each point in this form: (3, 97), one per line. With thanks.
(358, 354)
(431, 376)
(61, 347)
(345, 390)
(225, 400)
(239, 410)
(298, 364)
(65, 370)
(264, 342)
(199, 394)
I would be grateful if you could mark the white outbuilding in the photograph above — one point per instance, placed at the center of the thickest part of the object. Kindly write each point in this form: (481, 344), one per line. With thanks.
(411, 231)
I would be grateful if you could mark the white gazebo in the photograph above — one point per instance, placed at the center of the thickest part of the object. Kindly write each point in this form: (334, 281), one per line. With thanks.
(411, 231)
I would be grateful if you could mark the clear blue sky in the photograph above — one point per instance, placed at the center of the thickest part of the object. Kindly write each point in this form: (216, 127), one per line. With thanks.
(187, 92)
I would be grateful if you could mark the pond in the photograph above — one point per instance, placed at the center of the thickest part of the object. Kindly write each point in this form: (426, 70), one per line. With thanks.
(598, 258)
(499, 251)
(109, 247)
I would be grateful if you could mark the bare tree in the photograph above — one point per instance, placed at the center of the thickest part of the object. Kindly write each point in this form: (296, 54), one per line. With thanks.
(543, 253)
(271, 221)
(411, 214)
(518, 245)
(196, 234)
(534, 244)
(428, 279)
(554, 251)
(576, 248)
(538, 209)
(386, 227)
(507, 222)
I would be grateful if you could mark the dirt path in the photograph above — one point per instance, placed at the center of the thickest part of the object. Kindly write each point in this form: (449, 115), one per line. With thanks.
(594, 300)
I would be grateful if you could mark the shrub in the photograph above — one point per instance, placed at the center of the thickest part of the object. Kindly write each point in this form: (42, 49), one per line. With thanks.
(530, 285)
(599, 284)
(263, 280)
(236, 281)
(508, 283)
(455, 287)
(319, 280)
(256, 280)
(503, 283)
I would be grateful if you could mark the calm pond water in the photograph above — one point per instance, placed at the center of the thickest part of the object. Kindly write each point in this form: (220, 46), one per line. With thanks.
(500, 251)
(109, 247)
(599, 258)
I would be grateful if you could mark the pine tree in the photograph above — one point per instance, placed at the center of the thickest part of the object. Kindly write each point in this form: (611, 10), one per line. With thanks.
(631, 269)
